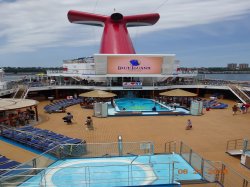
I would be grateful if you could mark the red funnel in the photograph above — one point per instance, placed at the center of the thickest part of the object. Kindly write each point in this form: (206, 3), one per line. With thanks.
(115, 38)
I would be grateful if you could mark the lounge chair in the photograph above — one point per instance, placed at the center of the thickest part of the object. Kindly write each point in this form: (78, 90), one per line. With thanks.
(3, 160)
(8, 165)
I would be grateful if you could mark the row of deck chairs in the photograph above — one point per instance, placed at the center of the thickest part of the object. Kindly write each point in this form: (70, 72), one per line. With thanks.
(59, 105)
(40, 139)
(7, 165)
(214, 104)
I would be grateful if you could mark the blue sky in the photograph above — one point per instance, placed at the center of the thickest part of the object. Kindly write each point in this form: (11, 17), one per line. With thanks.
(202, 33)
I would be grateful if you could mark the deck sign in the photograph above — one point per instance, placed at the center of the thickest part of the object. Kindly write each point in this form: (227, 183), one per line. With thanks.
(132, 85)
(134, 64)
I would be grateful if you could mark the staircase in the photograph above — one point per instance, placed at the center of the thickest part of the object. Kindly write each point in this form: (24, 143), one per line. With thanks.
(77, 78)
(247, 92)
(21, 92)
(237, 91)
(166, 79)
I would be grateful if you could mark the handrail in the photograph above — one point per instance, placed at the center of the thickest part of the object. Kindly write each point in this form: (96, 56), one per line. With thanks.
(219, 173)
(134, 159)
(87, 174)
(158, 84)
(169, 145)
(17, 89)
(214, 170)
(239, 93)
(245, 95)
(131, 168)
(25, 93)
(246, 180)
(235, 143)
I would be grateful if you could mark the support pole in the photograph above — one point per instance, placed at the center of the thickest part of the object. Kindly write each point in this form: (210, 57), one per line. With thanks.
(36, 113)
(245, 143)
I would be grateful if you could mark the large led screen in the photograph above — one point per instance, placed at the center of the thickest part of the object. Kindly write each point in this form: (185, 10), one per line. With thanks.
(134, 64)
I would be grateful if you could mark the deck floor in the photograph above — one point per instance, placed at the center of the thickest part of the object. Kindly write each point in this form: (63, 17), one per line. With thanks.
(208, 137)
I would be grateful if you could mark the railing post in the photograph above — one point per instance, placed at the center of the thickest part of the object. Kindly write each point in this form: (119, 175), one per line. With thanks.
(43, 178)
(173, 172)
(181, 148)
(86, 183)
(245, 183)
(227, 145)
(175, 144)
(130, 175)
(245, 145)
(153, 149)
(34, 164)
(190, 156)
(88, 177)
(202, 168)
(120, 145)
(60, 152)
(222, 174)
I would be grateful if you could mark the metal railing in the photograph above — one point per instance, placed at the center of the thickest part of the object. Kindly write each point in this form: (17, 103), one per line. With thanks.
(210, 171)
(170, 147)
(236, 144)
(228, 177)
(213, 171)
(37, 166)
(16, 91)
(21, 92)
(123, 174)
(239, 93)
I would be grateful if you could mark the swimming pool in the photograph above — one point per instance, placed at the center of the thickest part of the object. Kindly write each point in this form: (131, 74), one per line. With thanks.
(140, 104)
(115, 171)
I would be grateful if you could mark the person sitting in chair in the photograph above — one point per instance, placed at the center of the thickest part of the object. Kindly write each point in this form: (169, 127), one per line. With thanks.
(68, 118)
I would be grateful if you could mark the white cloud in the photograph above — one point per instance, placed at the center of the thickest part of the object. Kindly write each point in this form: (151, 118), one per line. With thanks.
(28, 25)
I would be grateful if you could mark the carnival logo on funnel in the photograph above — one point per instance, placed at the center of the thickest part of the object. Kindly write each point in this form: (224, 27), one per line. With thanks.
(131, 64)
(134, 62)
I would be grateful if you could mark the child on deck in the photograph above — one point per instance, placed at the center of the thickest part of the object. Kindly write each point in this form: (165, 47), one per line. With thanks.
(189, 125)
(89, 123)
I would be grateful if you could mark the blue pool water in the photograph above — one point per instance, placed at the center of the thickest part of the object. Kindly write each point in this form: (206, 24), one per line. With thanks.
(145, 106)
(115, 171)
(140, 104)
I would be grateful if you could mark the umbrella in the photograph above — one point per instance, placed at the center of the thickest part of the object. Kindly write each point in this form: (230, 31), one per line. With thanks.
(98, 94)
(178, 93)
(12, 104)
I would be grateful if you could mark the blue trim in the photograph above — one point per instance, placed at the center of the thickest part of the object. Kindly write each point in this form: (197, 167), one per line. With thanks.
(128, 114)
(158, 185)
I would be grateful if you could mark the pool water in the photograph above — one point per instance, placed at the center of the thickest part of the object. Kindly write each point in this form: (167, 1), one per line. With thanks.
(115, 171)
(140, 104)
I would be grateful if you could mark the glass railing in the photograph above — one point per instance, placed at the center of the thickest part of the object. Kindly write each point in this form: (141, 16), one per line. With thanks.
(148, 84)
(99, 174)
(212, 172)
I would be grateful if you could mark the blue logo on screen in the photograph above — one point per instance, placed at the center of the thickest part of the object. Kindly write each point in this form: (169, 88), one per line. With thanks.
(134, 62)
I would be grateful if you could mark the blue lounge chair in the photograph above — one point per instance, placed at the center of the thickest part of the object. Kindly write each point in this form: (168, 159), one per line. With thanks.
(8, 165)
(3, 160)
